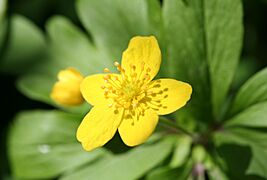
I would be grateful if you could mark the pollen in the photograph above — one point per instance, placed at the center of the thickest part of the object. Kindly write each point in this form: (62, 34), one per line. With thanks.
(132, 90)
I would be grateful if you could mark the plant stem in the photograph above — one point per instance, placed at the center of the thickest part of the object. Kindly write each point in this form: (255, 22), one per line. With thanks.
(167, 122)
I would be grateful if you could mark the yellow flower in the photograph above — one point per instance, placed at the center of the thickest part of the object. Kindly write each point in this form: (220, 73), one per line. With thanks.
(67, 90)
(130, 101)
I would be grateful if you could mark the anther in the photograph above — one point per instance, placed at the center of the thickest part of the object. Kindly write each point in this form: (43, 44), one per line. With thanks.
(135, 104)
(116, 64)
(133, 67)
(106, 77)
(106, 70)
(166, 89)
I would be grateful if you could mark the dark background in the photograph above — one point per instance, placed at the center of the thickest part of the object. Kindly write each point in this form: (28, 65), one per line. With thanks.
(12, 101)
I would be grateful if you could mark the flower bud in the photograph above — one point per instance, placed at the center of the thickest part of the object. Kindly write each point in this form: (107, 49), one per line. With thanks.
(66, 90)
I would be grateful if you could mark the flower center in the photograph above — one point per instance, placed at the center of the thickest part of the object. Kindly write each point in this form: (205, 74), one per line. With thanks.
(129, 89)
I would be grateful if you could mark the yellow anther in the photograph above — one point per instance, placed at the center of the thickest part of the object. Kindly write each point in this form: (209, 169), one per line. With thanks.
(133, 67)
(106, 77)
(148, 70)
(106, 70)
(135, 104)
(116, 64)
(103, 87)
(126, 105)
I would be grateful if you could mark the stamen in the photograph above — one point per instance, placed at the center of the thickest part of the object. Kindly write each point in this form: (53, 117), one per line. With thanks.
(107, 77)
(106, 70)
(129, 91)
(116, 64)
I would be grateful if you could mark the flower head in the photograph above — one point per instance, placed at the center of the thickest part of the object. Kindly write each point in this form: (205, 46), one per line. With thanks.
(129, 101)
(67, 90)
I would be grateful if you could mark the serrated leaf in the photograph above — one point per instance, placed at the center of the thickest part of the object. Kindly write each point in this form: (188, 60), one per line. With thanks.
(254, 116)
(42, 144)
(22, 53)
(130, 165)
(252, 92)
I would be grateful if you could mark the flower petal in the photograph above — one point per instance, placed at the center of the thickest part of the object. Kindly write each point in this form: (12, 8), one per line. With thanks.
(168, 95)
(138, 132)
(142, 51)
(98, 126)
(92, 90)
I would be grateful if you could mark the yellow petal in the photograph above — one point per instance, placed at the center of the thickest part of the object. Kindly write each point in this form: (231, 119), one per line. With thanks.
(138, 131)
(168, 95)
(92, 89)
(142, 52)
(67, 90)
(98, 126)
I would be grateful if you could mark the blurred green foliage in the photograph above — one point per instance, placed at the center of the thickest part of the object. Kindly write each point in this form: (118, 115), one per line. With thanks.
(201, 43)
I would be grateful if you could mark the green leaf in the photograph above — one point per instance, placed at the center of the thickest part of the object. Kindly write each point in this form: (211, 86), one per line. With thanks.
(252, 92)
(257, 141)
(213, 169)
(3, 6)
(216, 173)
(2, 23)
(204, 40)
(224, 33)
(199, 154)
(181, 152)
(168, 173)
(254, 116)
(184, 34)
(21, 53)
(130, 165)
(246, 68)
(42, 144)
(69, 47)
(237, 158)
(112, 29)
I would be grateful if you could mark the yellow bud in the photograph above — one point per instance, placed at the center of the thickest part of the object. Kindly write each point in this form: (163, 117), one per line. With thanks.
(66, 91)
